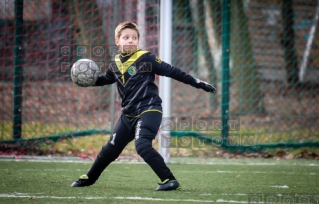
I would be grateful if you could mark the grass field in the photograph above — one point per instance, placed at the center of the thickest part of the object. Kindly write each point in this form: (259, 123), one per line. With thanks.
(212, 181)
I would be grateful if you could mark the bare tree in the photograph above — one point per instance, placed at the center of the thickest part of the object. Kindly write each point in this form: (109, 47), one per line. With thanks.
(245, 77)
(288, 43)
(203, 46)
(87, 20)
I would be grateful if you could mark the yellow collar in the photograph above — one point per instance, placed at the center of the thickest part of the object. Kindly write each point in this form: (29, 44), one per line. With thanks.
(128, 54)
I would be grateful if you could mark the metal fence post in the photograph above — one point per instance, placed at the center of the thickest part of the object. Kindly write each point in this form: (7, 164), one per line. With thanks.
(17, 75)
(225, 69)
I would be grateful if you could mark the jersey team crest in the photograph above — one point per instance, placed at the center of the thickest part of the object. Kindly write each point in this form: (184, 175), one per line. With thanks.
(131, 70)
(158, 60)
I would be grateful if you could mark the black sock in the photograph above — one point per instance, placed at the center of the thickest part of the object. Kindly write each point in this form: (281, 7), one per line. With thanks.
(171, 177)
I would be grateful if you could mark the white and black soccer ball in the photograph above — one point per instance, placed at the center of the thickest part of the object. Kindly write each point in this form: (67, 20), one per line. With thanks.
(85, 72)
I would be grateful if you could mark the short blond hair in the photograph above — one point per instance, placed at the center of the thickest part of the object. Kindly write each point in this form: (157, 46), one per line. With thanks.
(124, 25)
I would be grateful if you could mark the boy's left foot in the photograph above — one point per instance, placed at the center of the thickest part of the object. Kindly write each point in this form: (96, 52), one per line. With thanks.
(82, 181)
(169, 185)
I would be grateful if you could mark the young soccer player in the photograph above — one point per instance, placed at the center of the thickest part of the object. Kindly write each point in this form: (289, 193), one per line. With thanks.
(134, 72)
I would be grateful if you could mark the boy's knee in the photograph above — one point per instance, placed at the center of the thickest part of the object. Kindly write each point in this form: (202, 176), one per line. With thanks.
(109, 150)
(143, 146)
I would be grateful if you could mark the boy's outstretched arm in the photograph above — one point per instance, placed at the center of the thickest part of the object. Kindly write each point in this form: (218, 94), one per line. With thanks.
(105, 78)
(164, 69)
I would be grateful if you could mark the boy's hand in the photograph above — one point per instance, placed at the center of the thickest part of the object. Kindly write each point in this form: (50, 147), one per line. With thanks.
(205, 86)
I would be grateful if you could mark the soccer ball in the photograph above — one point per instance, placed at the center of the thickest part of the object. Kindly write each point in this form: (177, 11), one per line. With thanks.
(84, 72)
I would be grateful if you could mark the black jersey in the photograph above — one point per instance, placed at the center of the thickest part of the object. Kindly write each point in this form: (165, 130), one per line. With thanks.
(135, 75)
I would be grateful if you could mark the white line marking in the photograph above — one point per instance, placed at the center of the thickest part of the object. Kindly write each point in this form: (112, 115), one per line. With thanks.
(23, 195)
(162, 199)
(243, 172)
(284, 186)
(313, 165)
(46, 170)
(229, 201)
(238, 194)
(205, 194)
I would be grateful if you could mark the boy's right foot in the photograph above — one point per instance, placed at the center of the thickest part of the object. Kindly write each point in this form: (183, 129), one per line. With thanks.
(169, 185)
(82, 181)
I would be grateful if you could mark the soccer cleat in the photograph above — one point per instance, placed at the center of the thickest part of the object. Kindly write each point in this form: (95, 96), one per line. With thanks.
(168, 185)
(82, 181)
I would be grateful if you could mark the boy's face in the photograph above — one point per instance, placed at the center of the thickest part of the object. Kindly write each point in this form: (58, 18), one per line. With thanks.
(128, 41)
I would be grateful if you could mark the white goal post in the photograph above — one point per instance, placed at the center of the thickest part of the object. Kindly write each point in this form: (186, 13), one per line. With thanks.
(165, 52)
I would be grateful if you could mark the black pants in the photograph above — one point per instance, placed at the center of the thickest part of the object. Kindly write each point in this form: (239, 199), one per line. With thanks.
(143, 129)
